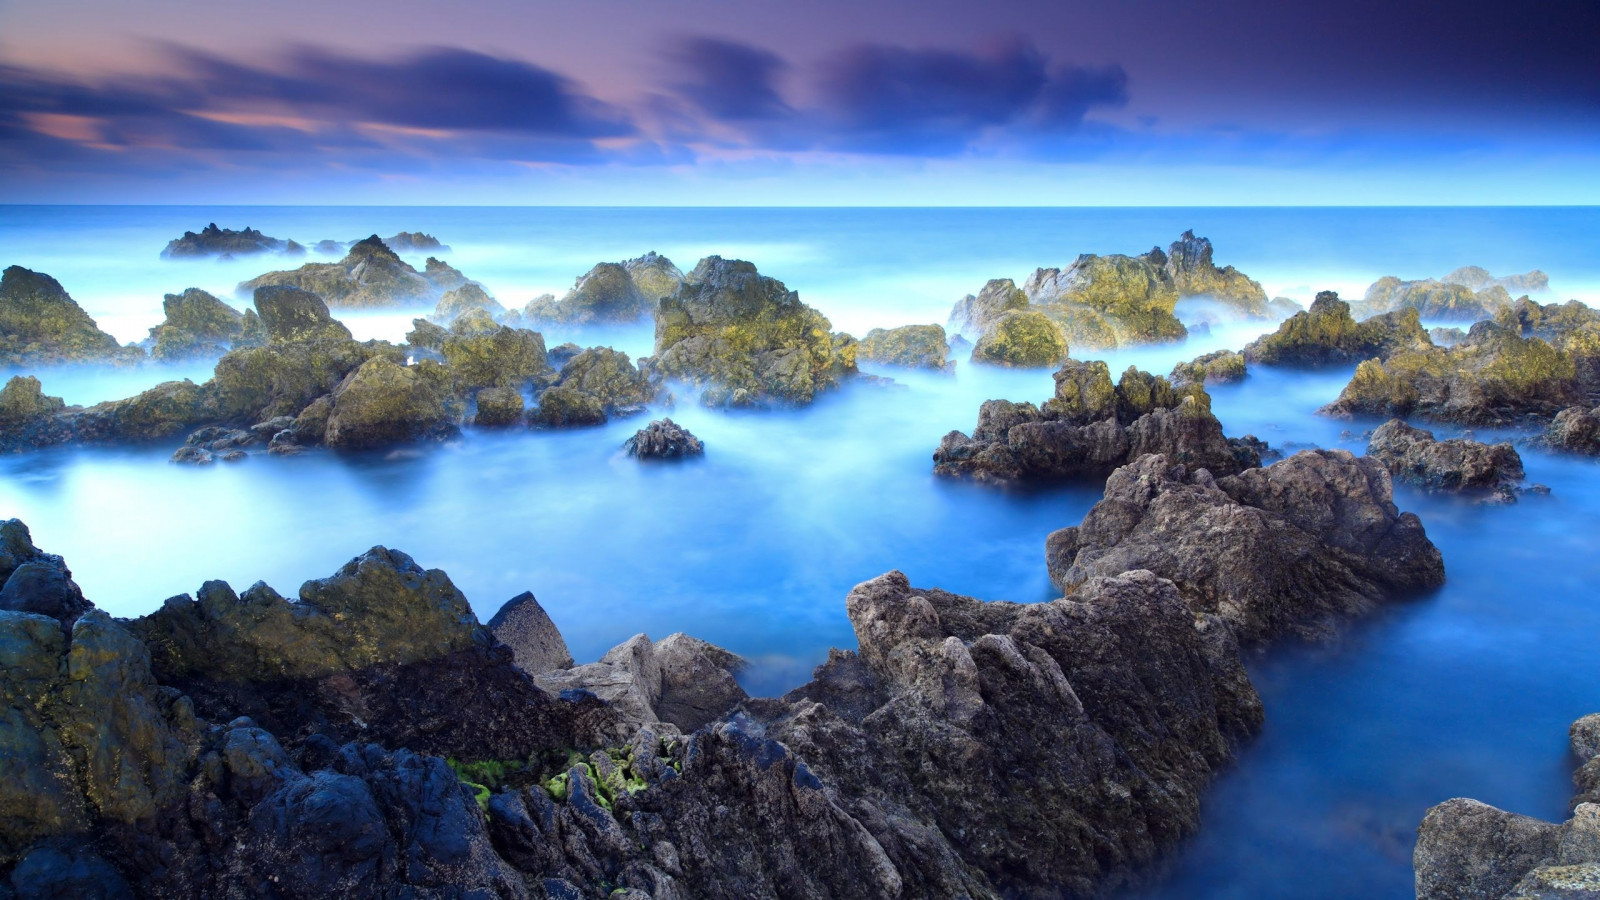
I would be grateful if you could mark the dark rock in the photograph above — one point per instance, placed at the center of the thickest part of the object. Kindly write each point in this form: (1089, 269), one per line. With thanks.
(214, 241)
(41, 324)
(1294, 548)
(1413, 455)
(664, 439)
(1576, 430)
(1327, 335)
(414, 242)
(912, 346)
(62, 869)
(536, 644)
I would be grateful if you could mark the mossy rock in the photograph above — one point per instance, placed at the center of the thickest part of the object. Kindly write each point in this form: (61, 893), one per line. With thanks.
(608, 376)
(23, 400)
(1217, 367)
(1433, 299)
(498, 407)
(654, 275)
(1189, 263)
(425, 335)
(258, 383)
(1135, 297)
(1327, 334)
(912, 346)
(469, 296)
(196, 325)
(370, 276)
(1022, 339)
(567, 407)
(483, 354)
(382, 404)
(974, 314)
(1084, 393)
(292, 315)
(41, 324)
(605, 294)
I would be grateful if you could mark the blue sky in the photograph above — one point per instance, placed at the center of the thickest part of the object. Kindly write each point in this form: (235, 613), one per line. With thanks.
(1013, 102)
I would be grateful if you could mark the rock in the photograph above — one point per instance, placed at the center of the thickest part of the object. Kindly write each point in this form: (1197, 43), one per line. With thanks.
(214, 241)
(165, 410)
(425, 335)
(1433, 299)
(1494, 377)
(414, 242)
(1446, 337)
(281, 379)
(1218, 367)
(1134, 295)
(1284, 307)
(679, 680)
(35, 582)
(443, 276)
(1294, 548)
(654, 275)
(1188, 262)
(499, 407)
(973, 315)
(558, 356)
(609, 377)
(200, 325)
(370, 276)
(481, 353)
(567, 407)
(381, 404)
(1574, 429)
(1478, 278)
(606, 294)
(729, 327)
(1088, 429)
(40, 324)
(23, 402)
(536, 644)
(664, 439)
(1328, 335)
(67, 870)
(466, 297)
(292, 315)
(1413, 455)
(912, 346)
(1024, 339)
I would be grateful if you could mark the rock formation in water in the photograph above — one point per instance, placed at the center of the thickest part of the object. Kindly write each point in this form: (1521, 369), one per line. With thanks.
(746, 339)
(1494, 377)
(611, 293)
(1454, 465)
(663, 439)
(1432, 299)
(370, 276)
(466, 298)
(40, 324)
(498, 407)
(1576, 430)
(1188, 261)
(1478, 278)
(199, 326)
(1089, 428)
(1284, 307)
(1328, 335)
(1468, 850)
(481, 353)
(1217, 367)
(911, 346)
(414, 242)
(1294, 548)
(214, 241)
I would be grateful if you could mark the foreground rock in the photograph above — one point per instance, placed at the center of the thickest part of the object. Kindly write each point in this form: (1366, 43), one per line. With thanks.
(611, 293)
(214, 241)
(199, 326)
(40, 324)
(1454, 465)
(536, 645)
(370, 276)
(746, 339)
(1468, 850)
(1292, 549)
(1327, 335)
(664, 439)
(912, 346)
(680, 681)
(1090, 428)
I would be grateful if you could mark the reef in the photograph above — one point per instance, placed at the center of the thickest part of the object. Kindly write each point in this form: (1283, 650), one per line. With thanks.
(910, 346)
(40, 324)
(1090, 428)
(1467, 850)
(1328, 335)
(370, 276)
(214, 241)
(1453, 465)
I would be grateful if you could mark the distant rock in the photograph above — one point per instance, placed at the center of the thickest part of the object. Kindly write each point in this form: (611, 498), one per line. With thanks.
(1478, 278)
(1284, 307)
(370, 276)
(467, 297)
(414, 242)
(40, 324)
(214, 241)
(974, 314)
(664, 439)
(1131, 295)
(442, 275)
(1433, 299)
(1414, 455)
(1328, 335)
(1217, 367)
(912, 346)
(198, 325)
(536, 644)
(1446, 336)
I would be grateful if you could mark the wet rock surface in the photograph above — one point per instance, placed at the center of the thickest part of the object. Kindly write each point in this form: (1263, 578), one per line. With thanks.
(1455, 464)
(664, 439)
(40, 324)
(1327, 334)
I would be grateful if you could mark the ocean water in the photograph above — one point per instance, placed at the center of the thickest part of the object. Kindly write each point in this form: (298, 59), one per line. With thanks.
(1467, 692)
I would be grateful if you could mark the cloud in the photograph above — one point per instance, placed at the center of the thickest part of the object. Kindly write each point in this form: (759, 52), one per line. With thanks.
(728, 80)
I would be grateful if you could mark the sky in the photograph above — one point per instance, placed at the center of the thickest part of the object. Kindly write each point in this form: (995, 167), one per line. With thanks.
(824, 102)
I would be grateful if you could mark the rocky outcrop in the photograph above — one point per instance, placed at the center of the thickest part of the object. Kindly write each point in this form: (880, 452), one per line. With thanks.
(166, 410)
(536, 645)
(1574, 429)
(912, 346)
(746, 339)
(1446, 300)
(1284, 307)
(605, 294)
(1478, 278)
(654, 275)
(1327, 335)
(442, 275)
(198, 325)
(1468, 850)
(1494, 377)
(291, 315)
(1025, 338)
(481, 353)
(498, 407)
(1292, 549)
(678, 680)
(974, 314)
(1133, 296)
(1455, 465)
(214, 241)
(414, 242)
(23, 403)
(663, 439)
(1217, 367)
(464, 299)
(40, 324)
(609, 377)
(382, 404)
(1090, 428)
(1188, 262)
(370, 276)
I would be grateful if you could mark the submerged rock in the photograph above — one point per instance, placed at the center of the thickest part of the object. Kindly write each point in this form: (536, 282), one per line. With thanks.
(40, 324)
(663, 439)
(1218, 367)
(370, 276)
(214, 241)
(1328, 335)
(1414, 455)
(199, 325)
(1089, 428)
(1468, 850)
(913, 346)
(1292, 549)
(747, 339)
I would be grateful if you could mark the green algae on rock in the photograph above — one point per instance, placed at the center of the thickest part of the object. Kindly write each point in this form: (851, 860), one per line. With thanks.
(1188, 261)
(40, 324)
(617, 293)
(1433, 299)
(1327, 334)
(198, 325)
(1025, 338)
(383, 403)
(370, 276)
(1217, 367)
(912, 346)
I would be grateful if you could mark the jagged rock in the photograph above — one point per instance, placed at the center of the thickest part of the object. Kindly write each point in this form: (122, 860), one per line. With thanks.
(567, 407)
(663, 439)
(1446, 337)
(200, 325)
(1134, 295)
(913, 346)
(481, 353)
(974, 314)
(1495, 377)
(1294, 548)
(1284, 307)
(291, 315)
(679, 680)
(214, 241)
(1023, 338)
(443, 276)
(1089, 428)
(1576, 430)
(1188, 261)
(44, 585)
(40, 324)
(1413, 455)
(414, 242)
(654, 275)
(426, 335)
(1468, 850)
(371, 275)
(1219, 367)
(559, 356)
(1451, 301)
(607, 293)
(536, 644)
(1328, 335)
(381, 404)
(747, 336)
(259, 383)
(468, 296)
(610, 377)
(499, 407)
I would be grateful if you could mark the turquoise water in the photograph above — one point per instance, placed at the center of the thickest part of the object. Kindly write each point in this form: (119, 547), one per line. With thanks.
(1464, 693)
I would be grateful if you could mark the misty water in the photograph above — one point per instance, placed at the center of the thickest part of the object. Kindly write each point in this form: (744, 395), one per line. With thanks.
(1467, 692)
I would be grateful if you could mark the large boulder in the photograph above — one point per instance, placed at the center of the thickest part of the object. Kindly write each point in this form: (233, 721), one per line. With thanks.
(481, 353)
(605, 294)
(382, 404)
(1456, 464)
(1291, 549)
(974, 314)
(1188, 261)
(1025, 338)
(912, 346)
(567, 407)
(1134, 294)
(462, 299)
(40, 324)
(1090, 428)
(292, 315)
(1327, 335)
(214, 241)
(199, 325)
(498, 407)
(747, 339)
(370, 276)
(1440, 300)
(24, 402)
(654, 275)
